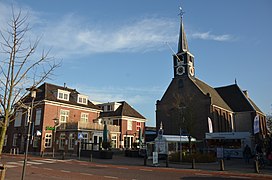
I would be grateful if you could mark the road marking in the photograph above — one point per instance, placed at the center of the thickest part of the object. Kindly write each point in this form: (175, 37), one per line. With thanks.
(44, 161)
(48, 169)
(122, 168)
(10, 166)
(13, 163)
(201, 174)
(32, 162)
(86, 174)
(149, 170)
(65, 171)
(111, 177)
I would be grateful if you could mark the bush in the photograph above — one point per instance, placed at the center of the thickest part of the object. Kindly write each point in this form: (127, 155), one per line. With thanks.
(199, 158)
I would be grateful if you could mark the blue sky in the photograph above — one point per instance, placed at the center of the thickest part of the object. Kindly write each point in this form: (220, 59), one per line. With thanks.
(115, 50)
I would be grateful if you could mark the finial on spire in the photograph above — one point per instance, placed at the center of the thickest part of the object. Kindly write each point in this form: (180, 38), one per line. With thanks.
(181, 12)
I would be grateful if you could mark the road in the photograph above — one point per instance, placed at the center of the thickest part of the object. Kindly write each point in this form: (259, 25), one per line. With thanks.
(48, 169)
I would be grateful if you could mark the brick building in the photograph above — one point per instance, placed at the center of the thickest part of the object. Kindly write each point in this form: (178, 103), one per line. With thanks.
(188, 102)
(61, 118)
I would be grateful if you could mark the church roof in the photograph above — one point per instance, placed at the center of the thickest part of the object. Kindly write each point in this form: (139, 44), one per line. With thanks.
(216, 99)
(237, 99)
(123, 110)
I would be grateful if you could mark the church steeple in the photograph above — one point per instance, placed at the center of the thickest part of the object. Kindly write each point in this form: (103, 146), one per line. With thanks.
(183, 60)
(182, 44)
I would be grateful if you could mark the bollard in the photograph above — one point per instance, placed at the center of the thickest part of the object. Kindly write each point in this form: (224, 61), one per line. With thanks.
(91, 157)
(3, 171)
(63, 154)
(193, 163)
(145, 159)
(167, 161)
(256, 166)
(222, 166)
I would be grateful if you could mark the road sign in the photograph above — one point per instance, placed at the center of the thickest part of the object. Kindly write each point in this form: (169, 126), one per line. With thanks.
(80, 136)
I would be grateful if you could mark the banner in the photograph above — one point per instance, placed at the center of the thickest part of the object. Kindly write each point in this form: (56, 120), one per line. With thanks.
(210, 125)
(256, 125)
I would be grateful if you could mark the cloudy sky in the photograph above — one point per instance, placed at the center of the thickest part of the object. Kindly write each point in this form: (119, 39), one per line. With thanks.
(117, 50)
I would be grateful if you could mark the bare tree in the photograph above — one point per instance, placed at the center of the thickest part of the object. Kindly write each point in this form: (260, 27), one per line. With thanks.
(20, 67)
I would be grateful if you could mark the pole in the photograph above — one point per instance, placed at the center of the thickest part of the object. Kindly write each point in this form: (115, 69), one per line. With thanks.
(28, 138)
(180, 148)
(54, 143)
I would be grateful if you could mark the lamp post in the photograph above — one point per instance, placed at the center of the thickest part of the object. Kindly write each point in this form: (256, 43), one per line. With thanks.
(33, 91)
(56, 124)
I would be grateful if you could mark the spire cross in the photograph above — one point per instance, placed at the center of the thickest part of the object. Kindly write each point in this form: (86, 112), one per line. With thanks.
(181, 12)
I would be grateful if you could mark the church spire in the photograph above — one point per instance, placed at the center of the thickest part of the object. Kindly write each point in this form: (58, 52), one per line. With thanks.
(182, 44)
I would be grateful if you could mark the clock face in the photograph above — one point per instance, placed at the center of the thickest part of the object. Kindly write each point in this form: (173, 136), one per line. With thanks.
(192, 71)
(180, 70)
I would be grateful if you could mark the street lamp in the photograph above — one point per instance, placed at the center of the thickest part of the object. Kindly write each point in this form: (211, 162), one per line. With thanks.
(33, 91)
(56, 124)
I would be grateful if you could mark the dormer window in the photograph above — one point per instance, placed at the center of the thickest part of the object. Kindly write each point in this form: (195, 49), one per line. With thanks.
(82, 99)
(63, 95)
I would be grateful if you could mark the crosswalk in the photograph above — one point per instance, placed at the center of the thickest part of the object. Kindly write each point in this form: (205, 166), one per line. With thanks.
(14, 164)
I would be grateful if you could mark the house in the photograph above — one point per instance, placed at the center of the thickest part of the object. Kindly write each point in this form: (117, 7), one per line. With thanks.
(63, 119)
(189, 104)
(131, 122)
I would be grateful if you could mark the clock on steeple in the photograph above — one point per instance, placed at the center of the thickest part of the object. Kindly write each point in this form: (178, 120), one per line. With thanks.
(183, 60)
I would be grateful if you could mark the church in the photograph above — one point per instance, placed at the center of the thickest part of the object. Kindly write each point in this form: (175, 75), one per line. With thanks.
(189, 106)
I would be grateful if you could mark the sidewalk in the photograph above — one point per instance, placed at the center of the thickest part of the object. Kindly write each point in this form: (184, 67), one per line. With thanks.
(230, 166)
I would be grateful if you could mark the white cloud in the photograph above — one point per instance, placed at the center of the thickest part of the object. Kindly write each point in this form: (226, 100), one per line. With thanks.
(209, 36)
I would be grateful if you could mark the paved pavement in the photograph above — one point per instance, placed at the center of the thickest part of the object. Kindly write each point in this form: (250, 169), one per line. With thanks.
(231, 167)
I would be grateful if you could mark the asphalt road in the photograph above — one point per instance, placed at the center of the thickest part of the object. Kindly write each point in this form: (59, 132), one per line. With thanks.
(48, 169)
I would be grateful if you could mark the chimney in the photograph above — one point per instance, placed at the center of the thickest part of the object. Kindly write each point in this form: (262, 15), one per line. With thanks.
(64, 85)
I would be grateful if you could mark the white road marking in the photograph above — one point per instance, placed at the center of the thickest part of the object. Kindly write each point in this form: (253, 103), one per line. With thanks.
(32, 162)
(10, 166)
(86, 174)
(65, 171)
(111, 177)
(44, 161)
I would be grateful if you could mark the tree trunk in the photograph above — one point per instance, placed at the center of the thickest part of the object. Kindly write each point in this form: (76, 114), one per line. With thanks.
(2, 139)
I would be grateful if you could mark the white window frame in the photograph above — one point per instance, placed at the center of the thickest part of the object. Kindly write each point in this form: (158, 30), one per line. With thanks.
(84, 117)
(129, 124)
(64, 116)
(82, 99)
(48, 140)
(38, 117)
(71, 141)
(18, 119)
(63, 95)
(14, 140)
(114, 140)
(138, 126)
(27, 116)
(62, 139)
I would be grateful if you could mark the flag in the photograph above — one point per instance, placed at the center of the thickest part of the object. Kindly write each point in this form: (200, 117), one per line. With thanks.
(256, 126)
(210, 125)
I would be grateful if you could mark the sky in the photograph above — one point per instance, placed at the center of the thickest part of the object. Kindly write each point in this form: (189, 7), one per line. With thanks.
(117, 50)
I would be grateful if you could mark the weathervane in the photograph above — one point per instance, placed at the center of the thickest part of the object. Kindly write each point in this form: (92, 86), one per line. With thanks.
(181, 12)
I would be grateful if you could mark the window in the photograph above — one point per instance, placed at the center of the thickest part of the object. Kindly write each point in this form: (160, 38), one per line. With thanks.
(129, 125)
(138, 126)
(38, 117)
(82, 99)
(62, 141)
(108, 107)
(18, 118)
(63, 95)
(36, 142)
(15, 138)
(114, 141)
(48, 140)
(64, 116)
(5, 140)
(71, 141)
(84, 117)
